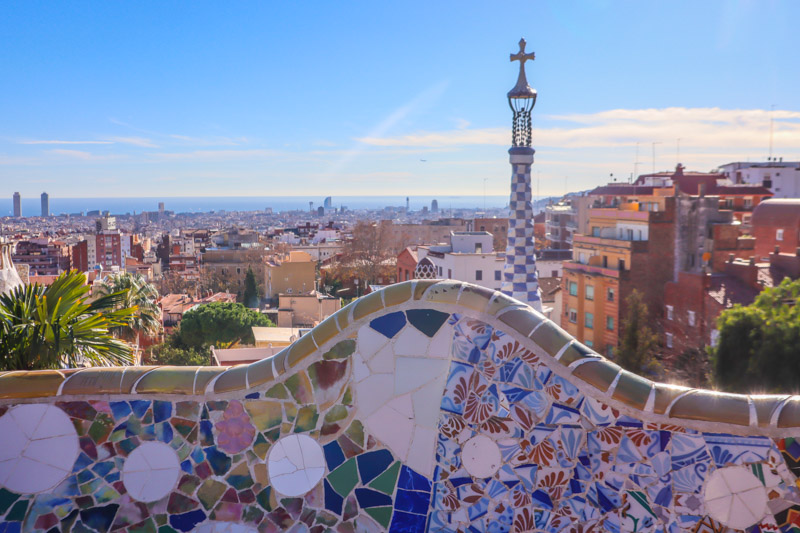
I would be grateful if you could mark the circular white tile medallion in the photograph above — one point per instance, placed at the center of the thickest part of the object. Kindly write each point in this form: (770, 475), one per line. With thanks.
(151, 471)
(223, 527)
(296, 464)
(735, 497)
(480, 456)
(39, 448)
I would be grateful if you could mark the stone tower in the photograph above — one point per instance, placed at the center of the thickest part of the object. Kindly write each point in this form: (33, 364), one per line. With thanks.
(519, 272)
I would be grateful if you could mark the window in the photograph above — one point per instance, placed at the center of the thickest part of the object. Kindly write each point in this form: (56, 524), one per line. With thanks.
(779, 235)
(621, 265)
(554, 273)
(589, 320)
(573, 315)
(590, 292)
(691, 318)
(605, 261)
(669, 312)
(497, 275)
(669, 340)
(479, 275)
(595, 231)
(478, 248)
(440, 271)
(589, 344)
(748, 202)
(610, 323)
(449, 273)
(609, 351)
(610, 295)
(573, 288)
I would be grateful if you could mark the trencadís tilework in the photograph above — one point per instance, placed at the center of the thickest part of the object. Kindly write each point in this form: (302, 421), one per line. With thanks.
(435, 407)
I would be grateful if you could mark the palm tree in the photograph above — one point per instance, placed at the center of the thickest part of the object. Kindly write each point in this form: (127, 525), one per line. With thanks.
(57, 327)
(139, 295)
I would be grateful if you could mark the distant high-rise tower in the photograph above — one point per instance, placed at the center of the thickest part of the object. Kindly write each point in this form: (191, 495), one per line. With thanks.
(160, 208)
(407, 204)
(434, 206)
(519, 272)
(45, 204)
(17, 205)
(328, 203)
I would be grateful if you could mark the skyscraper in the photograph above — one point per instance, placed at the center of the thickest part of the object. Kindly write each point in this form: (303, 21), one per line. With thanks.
(45, 205)
(17, 205)
(519, 273)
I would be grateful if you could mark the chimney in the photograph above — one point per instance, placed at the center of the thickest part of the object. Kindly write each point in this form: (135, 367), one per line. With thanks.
(778, 249)
(731, 258)
(701, 192)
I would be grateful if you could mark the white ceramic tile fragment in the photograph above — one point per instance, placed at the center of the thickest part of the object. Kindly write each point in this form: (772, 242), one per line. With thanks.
(422, 452)
(151, 471)
(412, 342)
(480, 455)
(427, 401)
(360, 369)
(411, 372)
(370, 341)
(39, 447)
(392, 428)
(383, 361)
(295, 465)
(439, 346)
(374, 392)
(735, 496)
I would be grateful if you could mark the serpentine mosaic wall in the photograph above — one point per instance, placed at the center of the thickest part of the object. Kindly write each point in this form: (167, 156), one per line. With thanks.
(428, 406)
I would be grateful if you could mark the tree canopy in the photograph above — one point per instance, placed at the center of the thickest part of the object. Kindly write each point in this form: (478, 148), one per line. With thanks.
(139, 295)
(220, 324)
(57, 326)
(637, 349)
(167, 354)
(758, 344)
(252, 295)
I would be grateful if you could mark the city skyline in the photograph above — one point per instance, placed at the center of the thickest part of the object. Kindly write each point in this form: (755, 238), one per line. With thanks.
(262, 99)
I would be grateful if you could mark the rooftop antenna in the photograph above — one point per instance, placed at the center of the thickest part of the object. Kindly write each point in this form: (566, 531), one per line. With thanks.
(771, 124)
(654, 155)
(678, 153)
(635, 164)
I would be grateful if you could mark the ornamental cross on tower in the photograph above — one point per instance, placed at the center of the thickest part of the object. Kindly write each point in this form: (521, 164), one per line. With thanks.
(521, 87)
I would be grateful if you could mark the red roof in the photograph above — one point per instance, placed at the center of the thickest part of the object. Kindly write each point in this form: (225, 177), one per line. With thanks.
(622, 190)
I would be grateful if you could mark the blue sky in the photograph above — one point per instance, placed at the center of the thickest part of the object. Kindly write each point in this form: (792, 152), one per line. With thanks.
(210, 98)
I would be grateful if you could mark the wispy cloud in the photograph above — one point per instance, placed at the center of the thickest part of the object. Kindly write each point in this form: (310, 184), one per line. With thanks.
(34, 141)
(699, 128)
(209, 141)
(219, 155)
(135, 141)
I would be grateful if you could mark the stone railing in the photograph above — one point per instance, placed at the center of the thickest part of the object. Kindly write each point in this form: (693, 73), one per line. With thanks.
(429, 405)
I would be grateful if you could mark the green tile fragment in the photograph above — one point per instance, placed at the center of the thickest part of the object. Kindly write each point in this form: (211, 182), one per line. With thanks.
(261, 446)
(291, 411)
(239, 478)
(347, 398)
(356, 433)
(6, 499)
(342, 350)
(101, 428)
(387, 481)
(300, 387)
(382, 515)
(306, 419)
(17, 512)
(210, 492)
(345, 478)
(428, 321)
(264, 499)
(277, 391)
(265, 415)
(336, 413)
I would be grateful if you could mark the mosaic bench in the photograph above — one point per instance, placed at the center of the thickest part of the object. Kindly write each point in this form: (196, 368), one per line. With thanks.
(426, 406)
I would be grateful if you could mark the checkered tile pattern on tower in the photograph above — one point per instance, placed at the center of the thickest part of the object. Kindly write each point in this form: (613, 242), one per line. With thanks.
(519, 272)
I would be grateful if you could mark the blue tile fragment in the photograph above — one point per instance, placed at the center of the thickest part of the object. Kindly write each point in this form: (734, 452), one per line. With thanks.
(333, 502)
(139, 407)
(389, 325)
(252, 396)
(333, 455)
(372, 464)
(407, 523)
(187, 521)
(412, 501)
(120, 409)
(372, 498)
(410, 480)
(161, 411)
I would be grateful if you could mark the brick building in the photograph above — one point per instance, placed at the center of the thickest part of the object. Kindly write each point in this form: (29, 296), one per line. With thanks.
(776, 223)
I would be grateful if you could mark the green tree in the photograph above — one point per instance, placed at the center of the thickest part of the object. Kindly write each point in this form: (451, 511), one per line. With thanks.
(252, 295)
(758, 344)
(139, 295)
(57, 326)
(166, 354)
(638, 343)
(220, 324)
(693, 368)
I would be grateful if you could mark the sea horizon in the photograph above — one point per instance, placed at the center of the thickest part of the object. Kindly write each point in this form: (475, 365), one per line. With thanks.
(31, 207)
